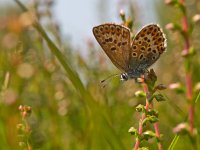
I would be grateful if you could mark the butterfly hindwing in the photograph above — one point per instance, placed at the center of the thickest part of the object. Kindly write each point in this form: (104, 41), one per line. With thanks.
(115, 41)
(147, 47)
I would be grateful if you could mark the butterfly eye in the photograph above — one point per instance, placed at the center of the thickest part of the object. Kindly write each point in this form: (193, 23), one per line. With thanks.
(124, 77)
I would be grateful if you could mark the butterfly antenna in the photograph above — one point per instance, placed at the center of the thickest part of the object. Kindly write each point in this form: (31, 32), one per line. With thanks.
(104, 82)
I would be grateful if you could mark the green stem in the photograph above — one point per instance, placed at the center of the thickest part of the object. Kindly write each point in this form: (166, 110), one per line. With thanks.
(188, 76)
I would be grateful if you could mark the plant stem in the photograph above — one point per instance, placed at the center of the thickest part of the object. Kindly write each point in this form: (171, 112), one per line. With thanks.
(156, 126)
(191, 105)
(188, 76)
(157, 130)
(140, 130)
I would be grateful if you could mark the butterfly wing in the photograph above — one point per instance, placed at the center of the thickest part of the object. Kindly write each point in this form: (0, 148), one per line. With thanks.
(147, 47)
(115, 41)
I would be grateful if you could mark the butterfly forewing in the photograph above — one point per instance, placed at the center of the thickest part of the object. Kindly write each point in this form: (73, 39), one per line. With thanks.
(147, 47)
(115, 41)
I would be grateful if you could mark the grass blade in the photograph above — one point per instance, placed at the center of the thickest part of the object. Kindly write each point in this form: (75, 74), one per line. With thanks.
(173, 143)
(90, 103)
(197, 98)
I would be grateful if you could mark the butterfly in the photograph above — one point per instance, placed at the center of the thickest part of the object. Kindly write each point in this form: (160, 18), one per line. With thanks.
(132, 57)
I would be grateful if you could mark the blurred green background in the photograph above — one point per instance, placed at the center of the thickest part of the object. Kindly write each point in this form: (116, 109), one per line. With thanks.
(64, 117)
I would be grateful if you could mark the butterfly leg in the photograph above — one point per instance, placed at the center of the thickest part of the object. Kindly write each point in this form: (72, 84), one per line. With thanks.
(146, 70)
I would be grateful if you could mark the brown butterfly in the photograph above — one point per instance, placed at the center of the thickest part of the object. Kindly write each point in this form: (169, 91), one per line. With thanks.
(132, 57)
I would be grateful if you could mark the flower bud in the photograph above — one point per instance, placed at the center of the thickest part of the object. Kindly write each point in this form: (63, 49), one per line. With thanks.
(196, 18)
(170, 26)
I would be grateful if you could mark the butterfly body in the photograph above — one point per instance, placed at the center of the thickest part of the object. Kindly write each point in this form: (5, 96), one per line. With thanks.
(132, 74)
(132, 57)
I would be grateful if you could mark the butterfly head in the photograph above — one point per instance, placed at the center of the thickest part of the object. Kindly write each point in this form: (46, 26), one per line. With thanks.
(124, 77)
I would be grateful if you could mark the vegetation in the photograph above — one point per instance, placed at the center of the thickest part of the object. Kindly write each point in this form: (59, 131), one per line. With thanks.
(50, 96)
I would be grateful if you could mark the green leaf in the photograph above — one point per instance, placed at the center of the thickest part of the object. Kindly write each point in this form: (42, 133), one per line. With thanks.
(197, 98)
(174, 142)
(151, 119)
(152, 112)
(148, 135)
(133, 131)
(140, 108)
(140, 94)
(143, 148)
(150, 99)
